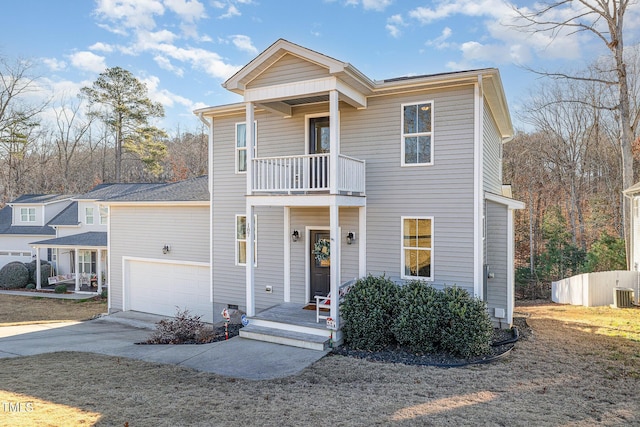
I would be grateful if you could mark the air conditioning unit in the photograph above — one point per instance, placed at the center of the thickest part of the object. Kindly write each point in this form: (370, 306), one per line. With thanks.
(622, 297)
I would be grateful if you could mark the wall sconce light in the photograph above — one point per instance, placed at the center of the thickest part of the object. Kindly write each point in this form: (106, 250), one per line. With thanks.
(295, 236)
(351, 237)
(166, 249)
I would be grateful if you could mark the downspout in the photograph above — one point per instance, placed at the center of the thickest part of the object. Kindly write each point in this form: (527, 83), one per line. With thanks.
(209, 126)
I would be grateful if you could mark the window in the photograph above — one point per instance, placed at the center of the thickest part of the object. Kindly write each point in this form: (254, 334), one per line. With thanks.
(88, 216)
(417, 248)
(241, 145)
(87, 261)
(28, 214)
(241, 241)
(417, 134)
(103, 215)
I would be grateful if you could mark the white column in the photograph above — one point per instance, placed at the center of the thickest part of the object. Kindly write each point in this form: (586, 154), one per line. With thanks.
(250, 223)
(362, 241)
(334, 224)
(334, 141)
(99, 270)
(250, 144)
(38, 278)
(77, 269)
(287, 254)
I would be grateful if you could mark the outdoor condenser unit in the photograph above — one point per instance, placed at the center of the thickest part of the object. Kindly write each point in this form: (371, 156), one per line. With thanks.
(622, 297)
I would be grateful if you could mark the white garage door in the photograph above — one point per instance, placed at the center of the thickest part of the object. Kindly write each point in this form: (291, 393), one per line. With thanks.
(9, 256)
(160, 287)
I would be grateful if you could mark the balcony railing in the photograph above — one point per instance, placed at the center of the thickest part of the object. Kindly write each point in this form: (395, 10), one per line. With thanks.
(308, 173)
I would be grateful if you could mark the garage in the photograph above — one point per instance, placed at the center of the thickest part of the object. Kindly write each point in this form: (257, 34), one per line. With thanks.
(159, 287)
(10, 256)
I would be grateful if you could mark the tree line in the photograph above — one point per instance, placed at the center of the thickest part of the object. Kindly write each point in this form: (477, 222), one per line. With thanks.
(105, 133)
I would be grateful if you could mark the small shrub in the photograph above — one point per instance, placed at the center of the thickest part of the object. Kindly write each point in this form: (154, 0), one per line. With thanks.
(466, 328)
(417, 319)
(31, 286)
(14, 275)
(60, 289)
(183, 328)
(367, 312)
(45, 271)
(104, 294)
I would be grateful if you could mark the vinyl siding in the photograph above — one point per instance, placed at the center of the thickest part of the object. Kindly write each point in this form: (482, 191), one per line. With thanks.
(289, 69)
(496, 255)
(142, 231)
(492, 161)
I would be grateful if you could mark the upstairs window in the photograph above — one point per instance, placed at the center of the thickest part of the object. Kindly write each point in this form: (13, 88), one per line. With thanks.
(417, 248)
(417, 134)
(88, 216)
(103, 215)
(28, 214)
(241, 145)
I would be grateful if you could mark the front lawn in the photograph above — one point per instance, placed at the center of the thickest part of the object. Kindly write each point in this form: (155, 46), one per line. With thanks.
(16, 309)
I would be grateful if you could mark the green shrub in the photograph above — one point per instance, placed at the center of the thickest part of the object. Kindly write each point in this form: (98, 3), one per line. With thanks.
(14, 275)
(466, 328)
(104, 293)
(60, 289)
(367, 312)
(45, 271)
(31, 286)
(417, 319)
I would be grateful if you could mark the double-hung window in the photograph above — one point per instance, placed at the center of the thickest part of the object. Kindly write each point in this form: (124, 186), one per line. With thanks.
(103, 215)
(241, 240)
(88, 216)
(28, 214)
(417, 248)
(241, 145)
(417, 134)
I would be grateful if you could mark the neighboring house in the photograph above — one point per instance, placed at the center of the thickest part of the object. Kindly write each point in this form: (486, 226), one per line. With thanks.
(633, 193)
(79, 244)
(159, 249)
(25, 219)
(403, 177)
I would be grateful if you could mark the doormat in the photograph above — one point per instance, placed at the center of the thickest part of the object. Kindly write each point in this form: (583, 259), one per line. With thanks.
(313, 307)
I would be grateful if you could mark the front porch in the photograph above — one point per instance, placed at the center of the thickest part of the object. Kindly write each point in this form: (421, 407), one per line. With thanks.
(291, 324)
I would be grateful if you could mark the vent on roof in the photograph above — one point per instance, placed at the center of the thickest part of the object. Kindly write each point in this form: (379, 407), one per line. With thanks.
(622, 297)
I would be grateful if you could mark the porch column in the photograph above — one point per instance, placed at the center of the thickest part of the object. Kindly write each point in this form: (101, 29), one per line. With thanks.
(38, 278)
(77, 260)
(99, 271)
(362, 241)
(249, 220)
(334, 224)
(334, 141)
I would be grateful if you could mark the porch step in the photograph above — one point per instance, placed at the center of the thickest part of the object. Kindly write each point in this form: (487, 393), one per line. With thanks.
(285, 337)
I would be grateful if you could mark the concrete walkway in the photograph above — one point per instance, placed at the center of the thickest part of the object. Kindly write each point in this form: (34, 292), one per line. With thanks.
(73, 296)
(116, 335)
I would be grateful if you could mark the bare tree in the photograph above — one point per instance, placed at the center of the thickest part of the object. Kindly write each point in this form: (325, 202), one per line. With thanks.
(604, 19)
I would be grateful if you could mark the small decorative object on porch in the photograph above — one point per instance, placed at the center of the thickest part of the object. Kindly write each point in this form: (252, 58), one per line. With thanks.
(331, 324)
(322, 250)
(227, 319)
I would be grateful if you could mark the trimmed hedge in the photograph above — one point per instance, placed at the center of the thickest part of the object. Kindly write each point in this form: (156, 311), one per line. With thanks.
(367, 312)
(14, 275)
(377, 313)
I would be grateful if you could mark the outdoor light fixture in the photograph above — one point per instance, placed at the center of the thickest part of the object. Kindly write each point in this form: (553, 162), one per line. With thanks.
(166, 249)
(295, 236)
(351, 238)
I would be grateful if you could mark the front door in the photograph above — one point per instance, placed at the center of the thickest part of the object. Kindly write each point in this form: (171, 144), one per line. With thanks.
(319, 269)
(319, 143)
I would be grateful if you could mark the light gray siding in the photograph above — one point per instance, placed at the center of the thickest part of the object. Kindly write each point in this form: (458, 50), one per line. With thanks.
(289, 68)
(496, 255)
(142, 231)
(492, 154)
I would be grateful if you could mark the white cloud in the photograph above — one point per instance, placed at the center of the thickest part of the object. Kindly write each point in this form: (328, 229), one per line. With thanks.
(189, 11)
(101, 47)
(164, 63)
(232, 11)
(88, 61)
(54, 64)
(440, 42)
(378, 5)
(137, 14)
(394, 23)
(165, 97)
(244, 43)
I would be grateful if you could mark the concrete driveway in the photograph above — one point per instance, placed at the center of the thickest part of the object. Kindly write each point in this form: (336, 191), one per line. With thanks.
(116, 335)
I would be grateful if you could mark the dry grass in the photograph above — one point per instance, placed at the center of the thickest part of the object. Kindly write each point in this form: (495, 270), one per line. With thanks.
(564, 372)
(17, 310)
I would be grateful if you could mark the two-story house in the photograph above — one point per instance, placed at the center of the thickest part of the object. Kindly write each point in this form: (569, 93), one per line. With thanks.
(25, 219)
(400, 177)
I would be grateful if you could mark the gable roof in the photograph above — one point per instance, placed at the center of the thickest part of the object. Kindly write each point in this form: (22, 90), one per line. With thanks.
(68, 216)
(39, 198)
(88, 239)
(635, 188)
(6, 216)
(109, 190)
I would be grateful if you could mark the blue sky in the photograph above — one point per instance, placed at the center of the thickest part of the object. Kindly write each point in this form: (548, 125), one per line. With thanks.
(184, 49)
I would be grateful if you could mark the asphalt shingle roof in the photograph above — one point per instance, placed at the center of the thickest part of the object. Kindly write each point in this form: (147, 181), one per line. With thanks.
(107, 191)
(68, 216)
(190, 190)
(6, 228)
(89, 239)
(40, 198)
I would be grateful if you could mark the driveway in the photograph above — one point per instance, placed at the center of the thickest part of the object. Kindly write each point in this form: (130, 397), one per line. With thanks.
(116, 335)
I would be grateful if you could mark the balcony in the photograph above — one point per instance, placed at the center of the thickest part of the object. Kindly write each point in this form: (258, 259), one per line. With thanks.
(307, 174)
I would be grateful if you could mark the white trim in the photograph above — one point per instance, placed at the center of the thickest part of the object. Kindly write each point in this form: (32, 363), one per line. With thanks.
(235, 239)
(510, 266)
(86, 216)
(402, 247)
(235, 145)
(307, 256)
(478, 255)
(307, 118)
(286, 238)
(431, 134)
(362, 241)
(511, 203)
(310, 200)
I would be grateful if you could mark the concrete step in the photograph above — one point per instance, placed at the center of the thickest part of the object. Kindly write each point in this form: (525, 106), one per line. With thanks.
(281, 336)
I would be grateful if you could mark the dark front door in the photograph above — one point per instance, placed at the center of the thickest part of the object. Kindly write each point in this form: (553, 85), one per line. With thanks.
(319, 144)
(319, 270)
